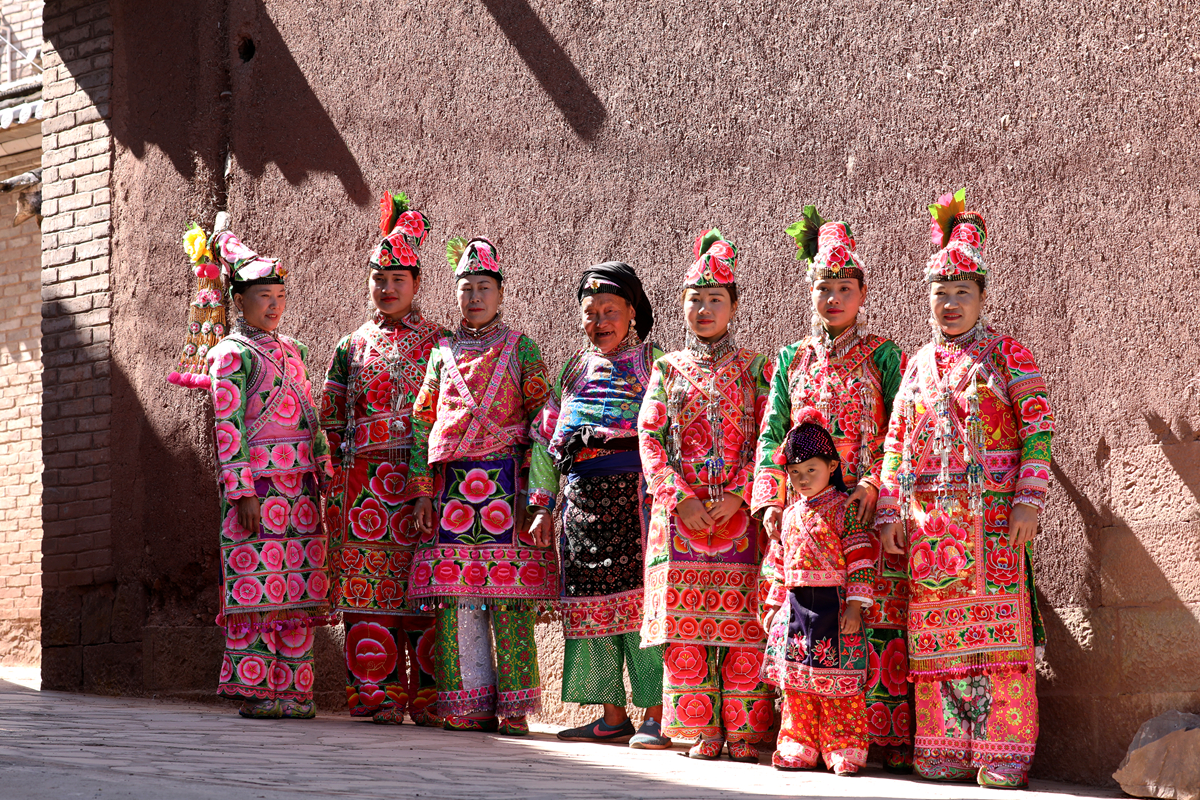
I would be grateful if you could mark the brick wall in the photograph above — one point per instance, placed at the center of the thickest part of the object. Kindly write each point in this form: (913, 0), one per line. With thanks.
(21, 23)
(77, 559)
(20, 413)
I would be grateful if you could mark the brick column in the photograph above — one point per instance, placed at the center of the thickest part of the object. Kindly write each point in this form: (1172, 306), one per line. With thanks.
(77, 156)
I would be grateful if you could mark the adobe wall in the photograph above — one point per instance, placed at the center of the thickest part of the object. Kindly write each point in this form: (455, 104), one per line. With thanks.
(582, 131)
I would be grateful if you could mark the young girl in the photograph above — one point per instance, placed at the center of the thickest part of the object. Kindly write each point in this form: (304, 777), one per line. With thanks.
(271, 456)
(817, 579)
(698, 427)
(369, 392)
(851, 376)
(477, 566)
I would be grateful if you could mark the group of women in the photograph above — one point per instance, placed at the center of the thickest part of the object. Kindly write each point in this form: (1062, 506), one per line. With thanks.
(417, 498)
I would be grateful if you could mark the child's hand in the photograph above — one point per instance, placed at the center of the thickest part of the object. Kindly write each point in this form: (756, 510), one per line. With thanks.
(694, 515)
(768, 618)
(852, 618)
(724, 510)
(773, 522)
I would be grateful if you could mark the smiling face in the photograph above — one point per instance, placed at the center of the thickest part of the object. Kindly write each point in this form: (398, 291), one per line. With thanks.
(837, 301)
(392, 291)
(262, 306)
(707, 312)
(606, 320)
(479, 299)
(811, 477)
(956, 305)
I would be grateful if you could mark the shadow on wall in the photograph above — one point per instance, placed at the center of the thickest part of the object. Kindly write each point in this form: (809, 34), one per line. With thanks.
(1112, 666)
(552, 67)
(243, 58)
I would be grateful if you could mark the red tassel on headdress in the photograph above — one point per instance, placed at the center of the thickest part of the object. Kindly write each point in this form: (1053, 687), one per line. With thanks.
(813, 415)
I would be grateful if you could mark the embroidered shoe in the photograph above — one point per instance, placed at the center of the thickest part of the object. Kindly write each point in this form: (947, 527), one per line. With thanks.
(946, 773)
(388, 716)
(897, 760)
(994, 779)
(787, 764)
(488, 725)
(299, 709)
(599, 731)
(649, 737)
(263, 709)
(707, 749)
(426, 719)
(514, 726)
(743, 752)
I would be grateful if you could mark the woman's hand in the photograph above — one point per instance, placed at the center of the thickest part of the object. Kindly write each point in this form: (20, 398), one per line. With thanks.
(768, 618)
(891, 537)
(1022, 524)
(725, 508)
(694, 515)
(248, 513)
(423, 513)
(541, 528)
(867, 496)
(773, 522)
(852, 618)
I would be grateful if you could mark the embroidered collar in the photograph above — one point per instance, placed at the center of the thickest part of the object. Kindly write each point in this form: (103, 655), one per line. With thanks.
(964, 341)
(835, 347)
(821, 499)
(252, 332)
(464, 332)
(710, 353)
(412, 320)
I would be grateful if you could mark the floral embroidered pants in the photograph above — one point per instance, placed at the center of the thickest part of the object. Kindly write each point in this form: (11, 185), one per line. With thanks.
(268, 656)
(469, 682)
(815, 726)
(889, 694)
(978, 725)
(713, 692)
(389, 665)
(593, 670)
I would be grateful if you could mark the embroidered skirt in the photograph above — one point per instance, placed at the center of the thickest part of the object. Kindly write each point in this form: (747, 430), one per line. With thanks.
(806, 650)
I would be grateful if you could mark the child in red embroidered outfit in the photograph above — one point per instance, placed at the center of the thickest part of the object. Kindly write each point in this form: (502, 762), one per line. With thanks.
(816, 580)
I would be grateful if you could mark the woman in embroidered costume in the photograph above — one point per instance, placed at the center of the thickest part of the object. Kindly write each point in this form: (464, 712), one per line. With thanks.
(818, 577)
(965, 475)
(366, 412)
(588, 430)
(851, 377)
(272, 456)
(477, 566)
(698, 427)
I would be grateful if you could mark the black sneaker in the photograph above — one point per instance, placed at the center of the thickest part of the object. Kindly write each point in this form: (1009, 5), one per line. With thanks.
(599, 731)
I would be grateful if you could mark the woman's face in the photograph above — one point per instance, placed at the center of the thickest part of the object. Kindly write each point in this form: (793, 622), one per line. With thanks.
(837, 301)
(393, 290)
(479, 299)
(707, 312)
(956, 305)
(262, 306)
(606, 320)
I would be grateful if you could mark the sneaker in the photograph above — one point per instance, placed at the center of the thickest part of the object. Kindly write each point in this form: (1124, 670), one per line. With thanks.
(649, 737)
(707, 749)
(263, 709)
(488, 725)
(514, 726)
(743, 752)
(599, 731)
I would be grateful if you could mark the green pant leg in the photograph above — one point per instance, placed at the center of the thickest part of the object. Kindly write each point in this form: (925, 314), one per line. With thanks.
(518, 682)
(593, 671)
(645, 670)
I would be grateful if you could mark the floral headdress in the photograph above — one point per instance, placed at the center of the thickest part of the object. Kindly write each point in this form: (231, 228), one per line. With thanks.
(206, 316)
(244, 267)
(715, 264)
(476, 257)
(828, 247)
(961, 237)
(403, 232)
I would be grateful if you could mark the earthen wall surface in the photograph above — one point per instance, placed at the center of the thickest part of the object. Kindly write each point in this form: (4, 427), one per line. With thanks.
(583, 131)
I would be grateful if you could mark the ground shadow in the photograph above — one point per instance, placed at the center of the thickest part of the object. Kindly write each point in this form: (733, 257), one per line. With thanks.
(552, 67)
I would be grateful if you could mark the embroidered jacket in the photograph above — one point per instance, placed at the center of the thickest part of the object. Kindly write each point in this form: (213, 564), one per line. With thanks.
(362, 411)
(853, 384)
(266, 424)
(597, 398)
(481, 393)
(821, 544)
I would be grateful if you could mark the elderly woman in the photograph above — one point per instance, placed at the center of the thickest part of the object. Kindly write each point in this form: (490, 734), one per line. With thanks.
(588, 430)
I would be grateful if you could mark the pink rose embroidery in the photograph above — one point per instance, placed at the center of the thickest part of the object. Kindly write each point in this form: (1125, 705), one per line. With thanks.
(733, 714)
(243, 559)
(288, 411)
(304, 678)
(226, 669)
(283, 456)
(686, 665)
(227, 363)
(229, 480)
(232, 529)
(295, 642)
(457, 516)
(229, 441)
(401, 525)
(240, 641)
(304, 454)
(318, 585)
(275, 588)
(275, 515)
(369, 520)
(280, 676)
(475, 574)
(446, 572)
(272, 555)
(260, 458)
(477, 486)
(227, 399)
(295, 587)
(294, 555)
(316, 553)
(389, 482)
(290, 483)
(304, 515)
(694, 710)
(496, 517)
(421, 575)
(247, 591)
(654, 415)
(252, 670)
(503, 574)
(532, 574)
(741, 668)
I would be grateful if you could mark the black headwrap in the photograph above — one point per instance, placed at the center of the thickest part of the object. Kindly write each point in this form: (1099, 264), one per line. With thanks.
(811, 439)
(616, 277)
